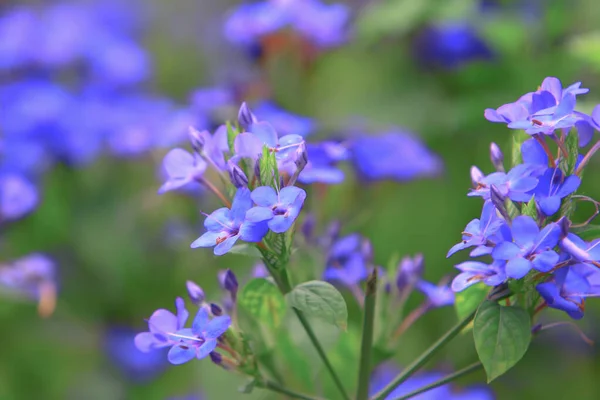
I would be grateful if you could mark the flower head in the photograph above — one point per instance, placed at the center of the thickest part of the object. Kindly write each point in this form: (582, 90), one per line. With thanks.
(475, 271)
(181, 168)
(552, 188)
(17, 196)
(479, 231)
(278, 209)
(346, 262)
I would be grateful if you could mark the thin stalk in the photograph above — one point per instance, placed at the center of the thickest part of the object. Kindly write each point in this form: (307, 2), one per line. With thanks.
(426, 356)
(443, 381)
(216, 191)
(587, 158)
(542, 141)
(366, 345)
(282, 280)
(269, 385)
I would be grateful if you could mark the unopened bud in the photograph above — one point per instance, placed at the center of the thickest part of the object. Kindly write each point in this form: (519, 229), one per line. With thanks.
(195, 292)
(308, 226)
(366, 249)
(196, 139)
(237, 176)
(497, 157)
(216, 357)
(410, 271)
(245, 117)
(230, 282)
(257, 169)
(476, 176)
(498, 201)
(564, 225)
(216, 310)
(301, 157)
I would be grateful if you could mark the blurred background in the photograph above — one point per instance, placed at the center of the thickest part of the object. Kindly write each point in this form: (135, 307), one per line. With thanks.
(94, 93)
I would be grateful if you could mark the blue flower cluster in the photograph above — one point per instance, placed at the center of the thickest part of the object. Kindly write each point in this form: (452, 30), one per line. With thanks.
(520, 227)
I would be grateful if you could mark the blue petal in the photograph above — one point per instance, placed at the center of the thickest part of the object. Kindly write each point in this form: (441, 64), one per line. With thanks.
(524, 230)
(544, 262)
(523, 184)
(225, 245)
(180, 355)
(458, 247)
(265, 132)
(585, 132)
(281, 223)
(218, 220)
(253, 232)
(570, 185)
(217, 327)
(492, 115)
(548, 237)
(518, 267)
(209, 239)
(200, 321)
(178, 163)
(182, 313)
(207, 347)
(146, 342)
(264, 196)
(242, 202)
(565, 107)
(259, 214)
(162, 321)
(289, 194)
(173, 184)
(464, 280)
(552, 85)
(505, 251)
(533, 153)
(248, 145)
(549, 205)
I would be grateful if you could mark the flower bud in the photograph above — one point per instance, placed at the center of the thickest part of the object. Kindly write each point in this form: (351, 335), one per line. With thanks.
(196, 139)
(230, 282)
(216, 310)
(195, 292)
(245, 117)
(564, 225)
(301, 157)
(237, 176)
(366, 249)
(257, 169)
(476, 176)
(410, 271)
(497, 157)
(498, 201)
(216, 357)
(308, 226)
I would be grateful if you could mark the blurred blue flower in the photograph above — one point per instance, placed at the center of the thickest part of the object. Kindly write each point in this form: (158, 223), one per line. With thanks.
(131, 361)
(530, 248)
(451, 45)
(118, 61)
(394, 155)
(18, 196)
(278, 209)
(17, 27)
(225, 226)
(285, 123)
(410, 271)
(182, 168)
(323, 158)
(437, 295)
(345, 261)
(161, 324)
(32, 276)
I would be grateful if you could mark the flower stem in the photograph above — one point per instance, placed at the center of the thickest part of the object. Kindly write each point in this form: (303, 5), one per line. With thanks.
(366, 345)
(542, 141)
(283, 282)
(587, 158)
(289, 393)
(443, 381)
(426, 356)
(216, 191)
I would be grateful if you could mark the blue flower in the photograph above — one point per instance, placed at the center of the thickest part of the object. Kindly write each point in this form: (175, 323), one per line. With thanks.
(345, 261)
(18, 196)
(285, 123)
(212, 146)
(437, 295)
(530, 248)
(322, 160)
(182, 168)
(410, 271)
(322, 24)
(479, 231)
(475, 271)
(161, 324)
(17, 28)
(280, 209)
(200, 340)
(568, 288)
(451, 45)
(552, 188)
(517, 184)
(29, 275)
(581, 250)
(225, 226)
(250, 144)
(394, 155)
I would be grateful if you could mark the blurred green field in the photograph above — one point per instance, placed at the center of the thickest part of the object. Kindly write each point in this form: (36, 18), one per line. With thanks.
(123, 251)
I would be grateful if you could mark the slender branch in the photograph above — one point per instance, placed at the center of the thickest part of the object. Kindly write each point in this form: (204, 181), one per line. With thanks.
(216, 191)
(458, 374)
(587, 158)
(280, 389)
(366, 345)
(283, 282)
(426, 356)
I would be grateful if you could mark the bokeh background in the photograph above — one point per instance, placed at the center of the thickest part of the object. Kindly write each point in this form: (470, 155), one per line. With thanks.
(429, 67)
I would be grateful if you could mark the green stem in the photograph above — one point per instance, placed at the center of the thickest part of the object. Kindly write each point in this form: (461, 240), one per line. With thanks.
(283, 282)
(426, 356)
(275, 387)
(443, 381)
(366, 346)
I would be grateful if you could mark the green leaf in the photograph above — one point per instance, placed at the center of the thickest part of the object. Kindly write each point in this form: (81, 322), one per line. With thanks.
(588, 232)
(502, 336)
(248, 386)
(322, 300)
(572, 146)
(530, 209)
(518, 138)
(269, 173)
(262, 299)
(468, 300)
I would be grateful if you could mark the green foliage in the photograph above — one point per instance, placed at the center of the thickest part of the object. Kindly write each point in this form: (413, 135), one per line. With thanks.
(587, 232)
(469, 299)
(572, 147)
(586, 48)
(392, 17)
(269, 173)
(322, 300)
(232, 133)
(262, 299)
(502, 336)
(530, 209)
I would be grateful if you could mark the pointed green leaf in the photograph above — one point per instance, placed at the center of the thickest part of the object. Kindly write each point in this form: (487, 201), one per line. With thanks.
(572, 147)
(245, 249)
(320, 299)
(588, 232)
(248, 386)
(262, 300)
(502, 336)
(269, 173)
(232, 133)
(468, 300)
(530, 209)
(518, 138)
